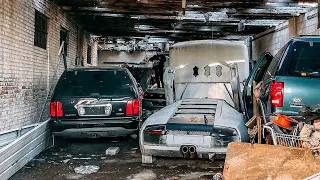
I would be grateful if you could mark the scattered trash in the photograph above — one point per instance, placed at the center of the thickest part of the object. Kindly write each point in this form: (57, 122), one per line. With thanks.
(112, 151)
(217, 176)
(73, 176)
(86, 169)
(174, 178)
(133, 136)
(69, 156)
(306, 131)
(36, 161)
(66, 160)
(143, 175)
(82, 158)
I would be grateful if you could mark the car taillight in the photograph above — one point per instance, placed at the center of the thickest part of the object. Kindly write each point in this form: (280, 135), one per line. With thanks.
(276, 94)
(133, 107)
(155, 130)
(56, 109)
(53, 106)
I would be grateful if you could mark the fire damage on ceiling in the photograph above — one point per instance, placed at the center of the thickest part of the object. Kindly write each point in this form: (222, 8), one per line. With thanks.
(181, 20)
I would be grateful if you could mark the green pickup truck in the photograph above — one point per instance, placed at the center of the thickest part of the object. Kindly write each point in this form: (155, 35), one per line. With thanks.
(291, 79)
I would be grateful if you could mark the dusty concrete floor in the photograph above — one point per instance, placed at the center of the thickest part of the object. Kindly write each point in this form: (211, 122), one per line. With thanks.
(57, 164)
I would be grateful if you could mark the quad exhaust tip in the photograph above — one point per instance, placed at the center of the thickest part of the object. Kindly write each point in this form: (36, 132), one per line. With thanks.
(189, 151)
(185, 151)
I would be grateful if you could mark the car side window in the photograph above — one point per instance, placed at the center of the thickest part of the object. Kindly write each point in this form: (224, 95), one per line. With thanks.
(272, 69)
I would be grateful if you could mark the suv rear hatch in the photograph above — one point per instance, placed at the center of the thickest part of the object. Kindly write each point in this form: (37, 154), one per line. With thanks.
(98, 94)
(302, 82)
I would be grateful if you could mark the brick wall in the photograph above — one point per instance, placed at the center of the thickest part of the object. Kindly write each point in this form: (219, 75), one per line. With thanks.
(26, 70)
(273, 39)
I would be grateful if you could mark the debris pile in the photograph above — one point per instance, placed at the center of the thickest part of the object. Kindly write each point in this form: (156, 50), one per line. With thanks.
(311, 135)
(87, 169)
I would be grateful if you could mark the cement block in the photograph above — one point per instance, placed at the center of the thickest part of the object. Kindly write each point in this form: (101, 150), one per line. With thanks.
(111, 151)
(147, 159)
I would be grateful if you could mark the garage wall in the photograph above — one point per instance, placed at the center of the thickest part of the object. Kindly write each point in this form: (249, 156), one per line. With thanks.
(26, 70)
(123, 56)
(273, 39)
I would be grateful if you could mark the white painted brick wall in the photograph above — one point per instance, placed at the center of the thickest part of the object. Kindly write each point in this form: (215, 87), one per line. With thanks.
(295, 27)
(25, 68)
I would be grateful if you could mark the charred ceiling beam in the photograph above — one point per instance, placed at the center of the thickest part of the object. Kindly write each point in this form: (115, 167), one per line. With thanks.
(159, 10)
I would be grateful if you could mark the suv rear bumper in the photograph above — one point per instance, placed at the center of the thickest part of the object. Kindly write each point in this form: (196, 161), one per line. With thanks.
(94, 128)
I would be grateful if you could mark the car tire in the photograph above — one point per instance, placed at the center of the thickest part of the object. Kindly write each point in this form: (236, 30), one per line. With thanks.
(60, 142)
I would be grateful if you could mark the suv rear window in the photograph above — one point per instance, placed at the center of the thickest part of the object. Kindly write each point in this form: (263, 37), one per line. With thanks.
(305, 59)
(109, 83)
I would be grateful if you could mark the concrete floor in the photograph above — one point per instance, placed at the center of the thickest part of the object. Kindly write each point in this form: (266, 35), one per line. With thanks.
(57, 164)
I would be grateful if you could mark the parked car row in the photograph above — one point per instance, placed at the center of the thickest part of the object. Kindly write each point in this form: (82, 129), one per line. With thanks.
(202, 107)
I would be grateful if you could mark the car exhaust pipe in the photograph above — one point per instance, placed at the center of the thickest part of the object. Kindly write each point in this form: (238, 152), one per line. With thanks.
(192, 151)
(185, 151)
(93, 136)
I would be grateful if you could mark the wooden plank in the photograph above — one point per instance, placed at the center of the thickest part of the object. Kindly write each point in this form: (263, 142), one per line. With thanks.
(19, 143)
(16, 156)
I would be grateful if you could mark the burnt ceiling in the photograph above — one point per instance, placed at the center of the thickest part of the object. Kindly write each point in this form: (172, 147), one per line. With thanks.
(181, 20)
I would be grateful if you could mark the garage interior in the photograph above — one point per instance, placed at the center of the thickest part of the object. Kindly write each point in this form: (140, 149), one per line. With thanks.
(98, 32)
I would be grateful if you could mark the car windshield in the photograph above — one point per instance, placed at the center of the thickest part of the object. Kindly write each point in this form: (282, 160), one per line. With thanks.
(304, 59)
(110, 83)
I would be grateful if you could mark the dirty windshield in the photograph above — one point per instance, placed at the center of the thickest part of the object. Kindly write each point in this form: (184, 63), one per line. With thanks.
(111, 83)
(304, 60)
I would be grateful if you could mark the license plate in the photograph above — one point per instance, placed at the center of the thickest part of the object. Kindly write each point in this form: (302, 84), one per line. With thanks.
(178, 140)
(95, 110)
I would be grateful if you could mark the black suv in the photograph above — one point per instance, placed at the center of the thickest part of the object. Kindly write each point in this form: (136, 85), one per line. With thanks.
(95, 102)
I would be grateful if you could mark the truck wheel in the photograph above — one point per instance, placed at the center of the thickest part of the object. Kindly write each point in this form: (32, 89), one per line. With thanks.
(60, 142)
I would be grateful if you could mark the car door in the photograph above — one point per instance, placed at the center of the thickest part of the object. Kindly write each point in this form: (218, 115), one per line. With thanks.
(256, 75)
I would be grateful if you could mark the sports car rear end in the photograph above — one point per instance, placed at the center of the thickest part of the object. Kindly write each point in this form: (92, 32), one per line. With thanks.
(192, 128)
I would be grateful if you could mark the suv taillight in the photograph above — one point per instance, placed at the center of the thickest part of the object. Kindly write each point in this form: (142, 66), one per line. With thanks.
(56, 109)
(276, 94)
(133, 107)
